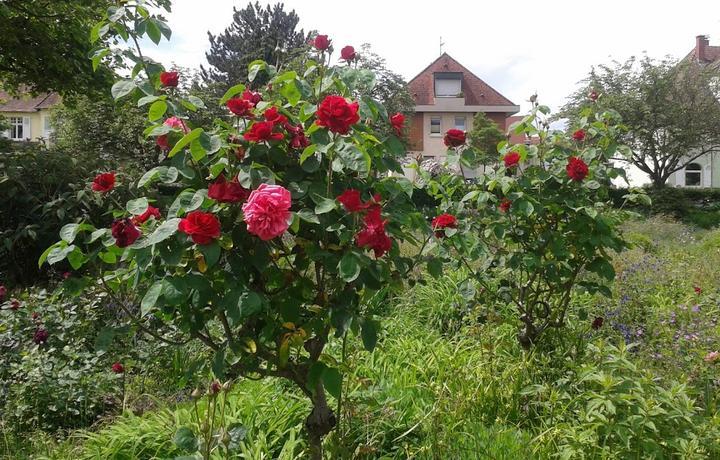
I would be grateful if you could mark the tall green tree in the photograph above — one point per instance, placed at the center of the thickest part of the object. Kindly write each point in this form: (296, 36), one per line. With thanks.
(44, 45)
(484, 137)
(390, 87)
(671, 109)
(268, 33)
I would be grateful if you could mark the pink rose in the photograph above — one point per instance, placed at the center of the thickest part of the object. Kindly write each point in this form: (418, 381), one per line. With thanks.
(175, 122)
(267, 211)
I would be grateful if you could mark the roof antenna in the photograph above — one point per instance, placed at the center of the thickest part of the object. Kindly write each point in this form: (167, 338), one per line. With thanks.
(441, 45)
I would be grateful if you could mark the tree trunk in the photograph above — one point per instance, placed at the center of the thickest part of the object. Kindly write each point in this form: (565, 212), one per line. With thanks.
(319, 423)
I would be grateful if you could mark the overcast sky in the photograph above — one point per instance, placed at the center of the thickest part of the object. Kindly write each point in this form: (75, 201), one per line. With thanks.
(518, 47)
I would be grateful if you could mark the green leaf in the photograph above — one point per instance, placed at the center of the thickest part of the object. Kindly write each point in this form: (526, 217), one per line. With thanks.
(211, 252)
(166, 174)
(69, 232)
(44, 255)
(157, 110)
(250, 303)
(369, 334)
(185, 439)
(307, 152)
(137, 206)
(163, 232)
(237, 433)
(291, 92)
(308, 216)
(146, 100)
(150, 298)
(186, 139)
(59, 253)
(323, 205)
(332, 381)
(153, 31)
(435, 267)
(104, 339)
(348, 267)
(122, 88)
(218, 364)
(237, 89)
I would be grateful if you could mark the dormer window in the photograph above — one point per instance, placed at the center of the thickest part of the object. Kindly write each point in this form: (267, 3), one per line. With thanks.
(448, 84)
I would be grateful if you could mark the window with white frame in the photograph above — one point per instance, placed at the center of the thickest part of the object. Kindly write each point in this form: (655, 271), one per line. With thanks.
(435, 126)
(17, 131)
(448, 84)
(460, 123)
(693, 175)
(47, 127)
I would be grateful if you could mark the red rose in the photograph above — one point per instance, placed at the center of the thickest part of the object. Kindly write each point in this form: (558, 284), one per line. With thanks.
(579, 135)
(397, 121)
(511, 159)
(373, 235)
(576, 169)
(321, 42)
(336, 114)
(41, 335)
(169, 79)
(104, 182)
(118, 368)
(215, 387)
(227, 192)
(272, 115)
(598, 322)
(240, 107)
(202, 227)
(15, 305)
(262, 131)
(350, 199)
(162, 142)
(505, 205)
(252, 97)
(124, 232)
(3, 292)
(698, 290)
(443, 221)
(454, 138)
(151, 211)
(348, 53)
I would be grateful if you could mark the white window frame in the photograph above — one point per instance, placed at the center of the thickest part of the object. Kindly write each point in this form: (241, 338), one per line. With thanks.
(17, 125)
(47, 127)
(439, 126)
(464, 123)
(693, 172)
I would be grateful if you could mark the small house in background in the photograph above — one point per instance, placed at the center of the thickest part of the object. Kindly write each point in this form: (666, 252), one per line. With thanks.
(703, 171)
(447, 96)
(28, 115)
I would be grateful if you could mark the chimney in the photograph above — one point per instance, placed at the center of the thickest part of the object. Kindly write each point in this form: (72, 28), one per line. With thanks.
(701, 42)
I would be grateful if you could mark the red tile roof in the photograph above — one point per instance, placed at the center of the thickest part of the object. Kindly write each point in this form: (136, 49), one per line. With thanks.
(711, 54)
(27, 102)
(476, 91)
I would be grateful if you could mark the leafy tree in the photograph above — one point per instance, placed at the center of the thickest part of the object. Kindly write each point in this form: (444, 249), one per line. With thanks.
(256, 33)
(390, 87)
(44, 44)
(671, 109)
(484, 137)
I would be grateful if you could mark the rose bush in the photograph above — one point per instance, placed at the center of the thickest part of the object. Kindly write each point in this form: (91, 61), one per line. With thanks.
(255, 256)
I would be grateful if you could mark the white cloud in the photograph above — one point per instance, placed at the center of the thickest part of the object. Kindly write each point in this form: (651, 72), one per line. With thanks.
(518, 47)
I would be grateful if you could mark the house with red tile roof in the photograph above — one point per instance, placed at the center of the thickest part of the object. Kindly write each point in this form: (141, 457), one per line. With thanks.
(448, 95)
(705, 170)
(28, 115)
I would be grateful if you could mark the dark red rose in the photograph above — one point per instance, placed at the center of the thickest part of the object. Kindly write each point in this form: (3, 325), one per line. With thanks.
(350, 199)
(124, 232)
(336, 114)
(262, 131)
(215, 387)
(579, 135)
(321, 42)
(373, 235)
(397, 121)
(443, 221)
(227, 192)
(202, 227)
(505, 205)
(169, 79)
(240, 107)
(348, 53)
(454, 138)
(151, 211)
(698, 290)
(299, 141)
(511, 159)
(593, 96)
(14, 305)
(104, 182)
(118, 368)
(576, 169)
(41, 335)
(162, 142)
(598, 322)
(252, 97)
(3, 292)
(272, 115)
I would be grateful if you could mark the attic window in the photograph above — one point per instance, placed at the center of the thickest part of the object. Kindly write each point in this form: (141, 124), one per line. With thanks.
(448, 84)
